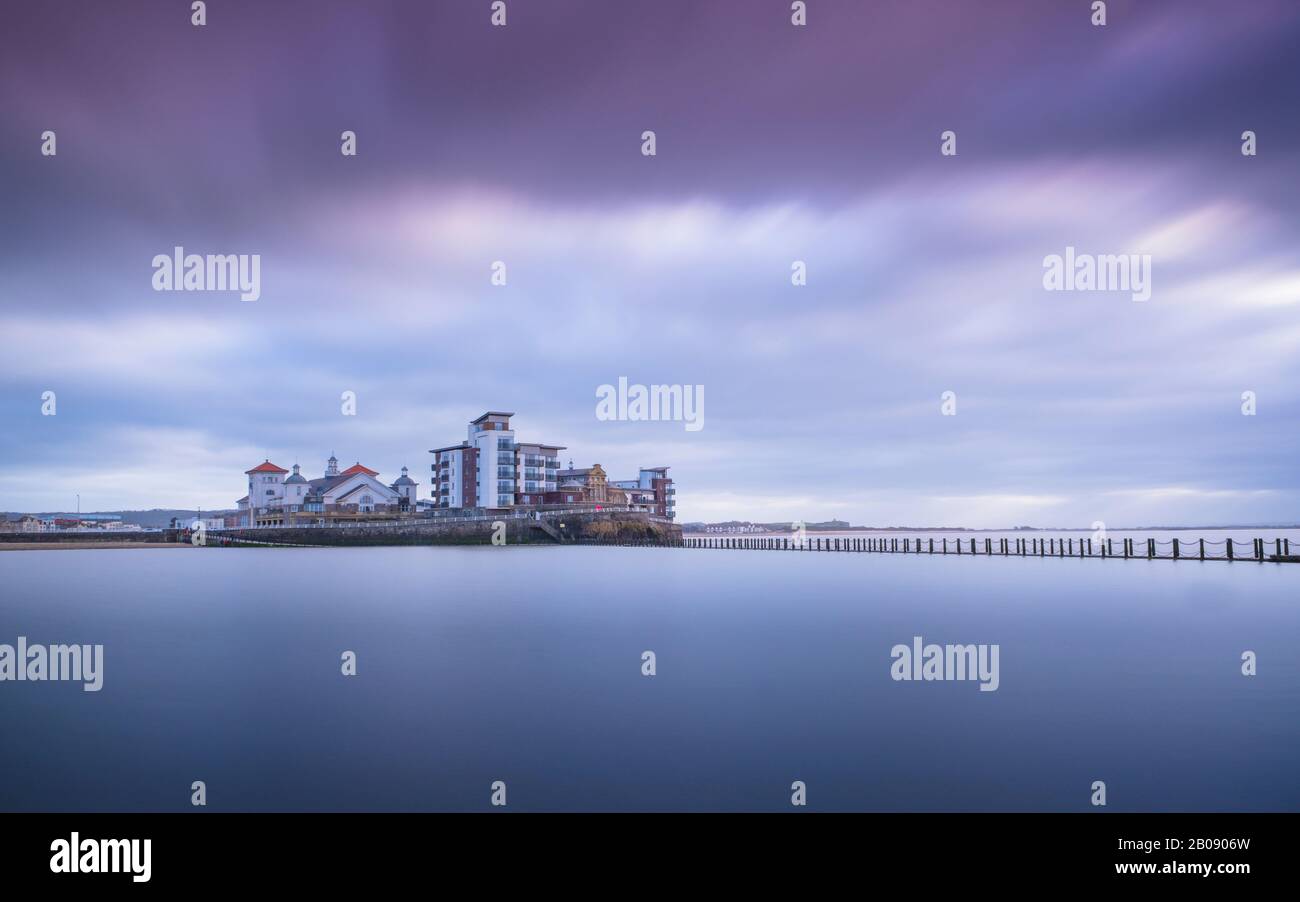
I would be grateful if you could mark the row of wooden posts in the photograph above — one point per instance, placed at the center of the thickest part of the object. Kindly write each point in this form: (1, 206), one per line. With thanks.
(1005, 547)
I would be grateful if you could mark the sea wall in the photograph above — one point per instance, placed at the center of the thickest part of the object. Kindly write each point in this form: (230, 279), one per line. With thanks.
(87, 538)
(614, 528)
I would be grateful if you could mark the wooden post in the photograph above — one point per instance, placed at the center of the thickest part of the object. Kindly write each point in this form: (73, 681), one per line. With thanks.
(1202, 541)
(932, 546)
(1229, 544)
(1175, 549)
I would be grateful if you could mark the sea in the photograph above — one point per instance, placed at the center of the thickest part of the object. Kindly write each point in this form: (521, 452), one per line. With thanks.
(604, 678)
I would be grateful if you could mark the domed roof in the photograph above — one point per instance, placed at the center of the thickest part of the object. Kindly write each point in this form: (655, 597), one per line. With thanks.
(404, 479)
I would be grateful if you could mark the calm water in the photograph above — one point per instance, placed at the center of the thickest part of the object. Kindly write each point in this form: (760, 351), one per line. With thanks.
(524, 665)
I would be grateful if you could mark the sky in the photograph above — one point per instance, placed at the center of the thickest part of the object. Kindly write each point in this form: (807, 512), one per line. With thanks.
(774, 143)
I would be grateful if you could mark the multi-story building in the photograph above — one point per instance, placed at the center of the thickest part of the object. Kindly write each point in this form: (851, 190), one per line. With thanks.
(492, 470)
(651, 491)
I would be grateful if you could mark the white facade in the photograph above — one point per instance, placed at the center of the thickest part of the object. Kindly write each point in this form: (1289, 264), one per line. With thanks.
(489, 453)
(356, 490)
(495, 442)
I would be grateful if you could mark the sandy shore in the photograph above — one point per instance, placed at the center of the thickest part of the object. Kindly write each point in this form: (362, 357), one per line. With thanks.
(44, 546)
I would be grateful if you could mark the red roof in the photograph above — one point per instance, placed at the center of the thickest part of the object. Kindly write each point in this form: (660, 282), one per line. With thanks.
(266, 467)
(357, 468)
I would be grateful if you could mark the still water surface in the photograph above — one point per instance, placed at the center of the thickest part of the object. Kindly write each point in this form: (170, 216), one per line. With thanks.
(523, 664)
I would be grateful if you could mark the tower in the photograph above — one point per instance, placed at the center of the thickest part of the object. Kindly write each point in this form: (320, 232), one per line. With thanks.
(295, 487)
(332, 466)
(406, 488)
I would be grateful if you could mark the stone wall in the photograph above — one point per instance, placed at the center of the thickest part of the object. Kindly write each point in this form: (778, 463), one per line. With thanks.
(578, 528)
(116, 536)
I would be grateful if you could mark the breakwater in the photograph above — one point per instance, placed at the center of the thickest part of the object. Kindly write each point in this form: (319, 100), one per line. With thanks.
(1260, 550)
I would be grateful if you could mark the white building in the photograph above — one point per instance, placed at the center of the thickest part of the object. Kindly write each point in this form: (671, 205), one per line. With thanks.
(355, 493)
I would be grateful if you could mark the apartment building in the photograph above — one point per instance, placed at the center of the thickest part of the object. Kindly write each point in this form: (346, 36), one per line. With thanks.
(651, 491)
(493, 470)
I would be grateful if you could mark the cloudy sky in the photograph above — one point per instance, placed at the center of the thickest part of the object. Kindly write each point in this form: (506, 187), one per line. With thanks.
(775, 143)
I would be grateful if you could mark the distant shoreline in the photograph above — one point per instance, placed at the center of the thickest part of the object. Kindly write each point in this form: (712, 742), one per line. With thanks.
(44, 546)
